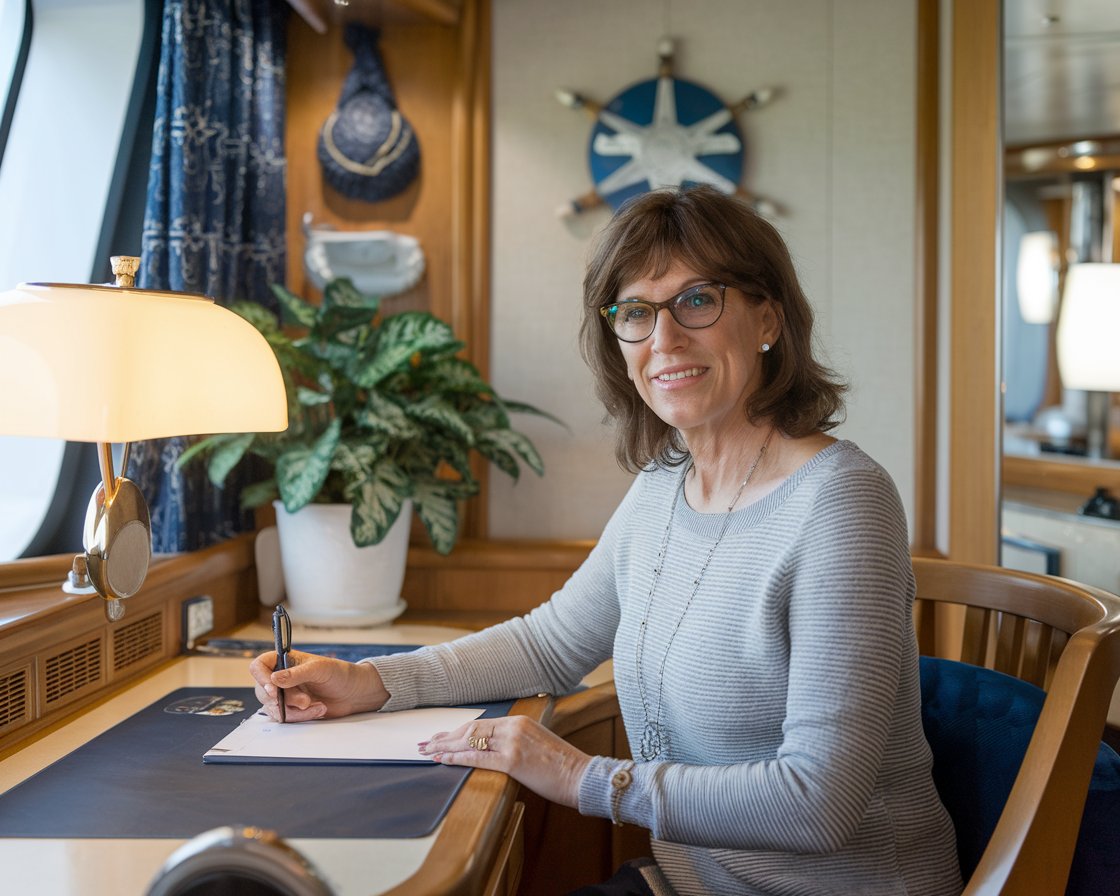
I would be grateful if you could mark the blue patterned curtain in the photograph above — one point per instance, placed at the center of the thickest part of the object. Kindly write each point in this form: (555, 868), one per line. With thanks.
(215, 216)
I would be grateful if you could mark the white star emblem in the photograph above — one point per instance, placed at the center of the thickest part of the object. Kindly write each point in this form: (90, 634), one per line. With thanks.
(665, 152)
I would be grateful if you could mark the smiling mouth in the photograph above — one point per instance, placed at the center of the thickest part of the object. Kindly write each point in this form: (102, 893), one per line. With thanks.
(679, 375)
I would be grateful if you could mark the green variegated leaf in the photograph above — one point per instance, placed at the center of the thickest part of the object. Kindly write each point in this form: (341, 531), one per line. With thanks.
(337, 355)
(292, 359)
(454, 375)
(258, 494)
(383, 415)
(333, 323)
(293, 307)
(311, 397)
(402, 336)
(438, 509)
(346, 315)
(300, 474)
(202, 447)
(259, 316)
(506, 440)
(519, 407)
(342, 293)
(453, 452)
(376, 503)
(348, 460)
(355, 459)
(502, 459)
(227, 456)
(437, 412)
(486, 415)
(270, 445)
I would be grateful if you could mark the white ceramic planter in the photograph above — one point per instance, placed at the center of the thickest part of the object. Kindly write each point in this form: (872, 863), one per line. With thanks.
(328, 580)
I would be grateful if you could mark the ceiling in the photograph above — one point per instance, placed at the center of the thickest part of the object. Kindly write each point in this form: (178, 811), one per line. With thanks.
(1061, 70)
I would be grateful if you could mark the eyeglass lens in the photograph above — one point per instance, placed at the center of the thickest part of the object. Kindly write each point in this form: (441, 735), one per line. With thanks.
(695, 308)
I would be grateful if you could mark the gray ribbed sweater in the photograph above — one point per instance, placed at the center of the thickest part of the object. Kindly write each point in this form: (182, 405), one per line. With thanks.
(798, 763)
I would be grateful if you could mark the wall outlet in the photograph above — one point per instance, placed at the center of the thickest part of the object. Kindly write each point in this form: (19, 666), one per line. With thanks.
(198, 619)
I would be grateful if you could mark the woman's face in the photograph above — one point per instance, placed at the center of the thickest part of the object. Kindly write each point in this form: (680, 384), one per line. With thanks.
(698, 381)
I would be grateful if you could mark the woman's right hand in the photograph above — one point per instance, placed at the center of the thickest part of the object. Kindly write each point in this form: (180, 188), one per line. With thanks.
(316, 687)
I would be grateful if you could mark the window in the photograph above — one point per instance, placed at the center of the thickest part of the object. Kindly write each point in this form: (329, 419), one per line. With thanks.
(67, 69)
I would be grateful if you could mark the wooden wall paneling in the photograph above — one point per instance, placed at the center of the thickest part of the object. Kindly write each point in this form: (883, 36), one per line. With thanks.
(440, 12)
(39, 623)
(469, 313)
(927, 204)
(1058, 219)
(1074, 476)
(29, 571)
(441, 78)
(482, 582)
(446, 12)
(565, 850)
(421, 62)
(974, 368)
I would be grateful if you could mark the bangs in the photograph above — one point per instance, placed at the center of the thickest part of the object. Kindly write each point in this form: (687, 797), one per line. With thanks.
(651, 246)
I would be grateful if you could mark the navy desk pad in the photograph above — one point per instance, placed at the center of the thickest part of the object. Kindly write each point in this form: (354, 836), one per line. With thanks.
(145, 778)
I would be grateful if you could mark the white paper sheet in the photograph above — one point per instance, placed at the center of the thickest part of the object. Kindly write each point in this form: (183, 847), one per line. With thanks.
(366, 737)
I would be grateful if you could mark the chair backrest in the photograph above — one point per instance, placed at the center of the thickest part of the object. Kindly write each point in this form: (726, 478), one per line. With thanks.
(1059, 636)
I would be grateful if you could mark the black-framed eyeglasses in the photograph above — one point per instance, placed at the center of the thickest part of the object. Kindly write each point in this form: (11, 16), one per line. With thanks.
(633, 320)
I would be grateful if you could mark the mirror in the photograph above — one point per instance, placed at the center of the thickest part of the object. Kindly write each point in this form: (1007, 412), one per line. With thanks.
(1061, 74)
(1061, 132)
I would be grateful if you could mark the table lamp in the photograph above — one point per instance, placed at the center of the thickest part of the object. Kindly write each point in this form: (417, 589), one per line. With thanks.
(1036, 276)
(114, 364)
(1088, 343)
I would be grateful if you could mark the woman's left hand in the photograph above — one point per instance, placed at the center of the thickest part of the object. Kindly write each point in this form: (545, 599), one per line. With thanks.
(523, 749)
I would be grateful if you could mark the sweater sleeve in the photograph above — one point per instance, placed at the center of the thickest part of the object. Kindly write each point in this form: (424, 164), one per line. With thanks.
(547, 651)
(849, 586)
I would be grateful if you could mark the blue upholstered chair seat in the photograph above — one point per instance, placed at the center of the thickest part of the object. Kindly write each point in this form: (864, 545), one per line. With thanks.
(978, 723)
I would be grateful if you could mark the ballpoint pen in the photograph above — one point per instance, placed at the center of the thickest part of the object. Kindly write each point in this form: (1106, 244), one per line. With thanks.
(282, 636)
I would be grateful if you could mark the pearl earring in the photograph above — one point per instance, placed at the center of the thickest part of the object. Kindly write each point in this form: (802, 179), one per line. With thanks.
(765, 347)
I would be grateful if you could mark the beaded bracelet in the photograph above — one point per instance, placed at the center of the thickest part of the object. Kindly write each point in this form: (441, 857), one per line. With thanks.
(620, 780)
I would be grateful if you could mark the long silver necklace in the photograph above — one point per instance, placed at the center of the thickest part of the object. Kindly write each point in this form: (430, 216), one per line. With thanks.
(655, 738)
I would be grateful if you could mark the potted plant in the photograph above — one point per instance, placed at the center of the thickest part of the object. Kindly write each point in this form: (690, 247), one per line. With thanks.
(383, 417)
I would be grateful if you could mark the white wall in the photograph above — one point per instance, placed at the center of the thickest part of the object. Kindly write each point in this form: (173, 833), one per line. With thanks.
(835, 150)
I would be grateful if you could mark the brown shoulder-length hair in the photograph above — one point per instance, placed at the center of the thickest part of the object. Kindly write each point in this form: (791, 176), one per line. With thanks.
(723, 239)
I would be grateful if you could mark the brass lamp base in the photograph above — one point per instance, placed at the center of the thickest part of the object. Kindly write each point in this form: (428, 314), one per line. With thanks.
(117, 537)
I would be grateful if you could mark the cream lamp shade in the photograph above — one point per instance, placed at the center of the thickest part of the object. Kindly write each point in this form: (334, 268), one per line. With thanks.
(113, 364)
(1089, 328)
(1088, 353)
(1036, 276)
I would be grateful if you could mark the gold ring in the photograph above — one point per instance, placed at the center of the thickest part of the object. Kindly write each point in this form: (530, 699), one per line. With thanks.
(483, 743)
(472, 742)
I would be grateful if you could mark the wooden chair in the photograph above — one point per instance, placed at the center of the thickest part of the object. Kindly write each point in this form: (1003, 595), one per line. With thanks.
(1062, 637)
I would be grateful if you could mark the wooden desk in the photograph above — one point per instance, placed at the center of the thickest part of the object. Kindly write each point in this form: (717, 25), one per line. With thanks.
(476, 849)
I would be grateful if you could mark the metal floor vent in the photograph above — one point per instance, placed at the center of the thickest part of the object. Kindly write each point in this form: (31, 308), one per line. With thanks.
(137, 641)
(72, 670)
(15, 698)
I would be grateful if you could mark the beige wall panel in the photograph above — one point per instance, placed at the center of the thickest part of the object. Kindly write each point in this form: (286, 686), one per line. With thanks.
(835, 151)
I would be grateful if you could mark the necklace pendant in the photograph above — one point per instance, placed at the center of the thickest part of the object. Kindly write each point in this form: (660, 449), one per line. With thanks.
(654, 743)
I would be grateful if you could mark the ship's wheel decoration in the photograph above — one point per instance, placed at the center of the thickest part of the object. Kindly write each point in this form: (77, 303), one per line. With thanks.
(664, 132)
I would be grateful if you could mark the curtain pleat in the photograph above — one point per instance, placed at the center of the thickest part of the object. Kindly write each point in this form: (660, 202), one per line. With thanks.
(214, 221)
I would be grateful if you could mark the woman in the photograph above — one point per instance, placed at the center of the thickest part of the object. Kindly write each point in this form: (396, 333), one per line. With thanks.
(754, 589)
